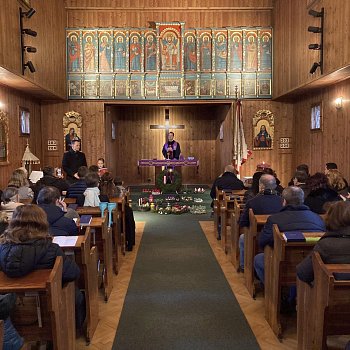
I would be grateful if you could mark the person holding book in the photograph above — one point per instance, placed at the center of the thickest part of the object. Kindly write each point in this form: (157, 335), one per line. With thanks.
(56, 212)
(334, 246)
(294, 216)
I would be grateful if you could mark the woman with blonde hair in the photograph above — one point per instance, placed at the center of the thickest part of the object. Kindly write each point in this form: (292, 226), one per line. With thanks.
(19, 180)
(26, 246)
(337, 182)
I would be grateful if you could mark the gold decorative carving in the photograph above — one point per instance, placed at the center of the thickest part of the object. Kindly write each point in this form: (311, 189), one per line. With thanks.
(4, 138)
(264, 129)
(71, 120)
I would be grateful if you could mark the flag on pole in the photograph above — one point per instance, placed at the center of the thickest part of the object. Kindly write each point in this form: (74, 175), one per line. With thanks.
(240, 148)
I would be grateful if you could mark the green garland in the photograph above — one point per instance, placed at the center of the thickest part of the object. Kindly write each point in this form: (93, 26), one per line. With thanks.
(169, 188)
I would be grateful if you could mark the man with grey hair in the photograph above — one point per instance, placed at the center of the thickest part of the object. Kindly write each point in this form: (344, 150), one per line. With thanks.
(294, 216)
(267, 201)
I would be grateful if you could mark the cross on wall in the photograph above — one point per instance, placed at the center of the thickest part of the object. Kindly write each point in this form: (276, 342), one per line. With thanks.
(166, 126)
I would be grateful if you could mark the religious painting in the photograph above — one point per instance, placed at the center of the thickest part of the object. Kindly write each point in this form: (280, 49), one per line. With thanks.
(24, 121)
(73, 51)
(4, 137)
(234, 84)
(151, 86)
(72, 128)
(220, 50)
(74, 86)
(190, 85)
(170, 86)
(170, 50)
(150, 52)
(220, 85)
(265, 62)
(251, 51)
(263, 130)
(121, 86)
(90, 86)
(90, 51)
(190, 51)
(135, 52)
(106, 86)
(264, 85)
(121, 52)
(235, 51)
(136, 86)
(105, 51)
(205, 53)
(205, 85)
(249, 85)
(316, 117)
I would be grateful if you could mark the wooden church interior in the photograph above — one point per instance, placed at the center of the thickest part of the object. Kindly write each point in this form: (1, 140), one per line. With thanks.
(294, 91)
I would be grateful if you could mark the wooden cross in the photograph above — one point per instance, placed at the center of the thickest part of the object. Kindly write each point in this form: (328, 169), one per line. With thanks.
(167, 126)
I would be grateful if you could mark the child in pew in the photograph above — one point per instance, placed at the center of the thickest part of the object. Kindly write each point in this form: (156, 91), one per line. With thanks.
(12, 340)
(92, 192)
(26, 246)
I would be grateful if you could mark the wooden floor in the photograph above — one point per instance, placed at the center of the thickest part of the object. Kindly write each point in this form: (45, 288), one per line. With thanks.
(253, 309)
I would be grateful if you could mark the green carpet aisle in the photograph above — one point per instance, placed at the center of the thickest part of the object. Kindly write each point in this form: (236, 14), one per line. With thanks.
(178, 297)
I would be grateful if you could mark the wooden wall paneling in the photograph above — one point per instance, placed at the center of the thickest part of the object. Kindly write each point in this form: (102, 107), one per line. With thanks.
(280, 159)
(11, 100)
(49, 22)
(292, 58)
(331, 144)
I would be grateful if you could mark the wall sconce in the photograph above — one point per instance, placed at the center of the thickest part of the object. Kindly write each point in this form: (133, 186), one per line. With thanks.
(30, 49)
(314, 67)
(339, 103)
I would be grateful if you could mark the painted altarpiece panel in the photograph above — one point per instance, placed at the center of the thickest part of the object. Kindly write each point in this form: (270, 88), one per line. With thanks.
(170, 86)
(151, 50)
(205, 50)
(136, 52)
(250, 38)
(265, 50)
(121, 89)
(74, 51)
(235, 52)
(121, 51)
(190, 51)
(105, 51)
(90, 51)
(191, 85)
(220, 50)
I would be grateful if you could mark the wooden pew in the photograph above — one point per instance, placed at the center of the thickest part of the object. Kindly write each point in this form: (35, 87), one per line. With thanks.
(324, 308)
(86, 257)
(280, 271)
(70, 200)
(103, 239)
(226, 210)
(122, 226)
(56, 306)
(1, 334)
(235, 232)
(251, 248)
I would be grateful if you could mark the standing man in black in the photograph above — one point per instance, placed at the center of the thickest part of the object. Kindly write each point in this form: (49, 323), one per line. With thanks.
(72, 161)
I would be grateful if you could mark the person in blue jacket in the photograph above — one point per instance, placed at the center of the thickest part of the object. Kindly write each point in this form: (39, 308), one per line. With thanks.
(294, 216)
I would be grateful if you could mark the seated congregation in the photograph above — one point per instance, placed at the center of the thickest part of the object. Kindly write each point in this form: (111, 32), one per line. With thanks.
(32, 216)
(277, 236)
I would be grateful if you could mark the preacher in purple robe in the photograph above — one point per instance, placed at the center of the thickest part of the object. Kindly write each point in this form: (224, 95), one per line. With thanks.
(171, 149)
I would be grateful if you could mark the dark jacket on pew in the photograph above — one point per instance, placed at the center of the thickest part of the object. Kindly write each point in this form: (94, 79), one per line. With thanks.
(334, 248)
(227, 181)
(291, 218)
(17, 260)
(59, 224)
(267, 202)
(317, 199)
(77, 189)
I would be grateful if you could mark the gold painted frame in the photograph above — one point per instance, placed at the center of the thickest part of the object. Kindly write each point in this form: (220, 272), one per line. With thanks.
(263, 130)
(72, 120)
(4, 138)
